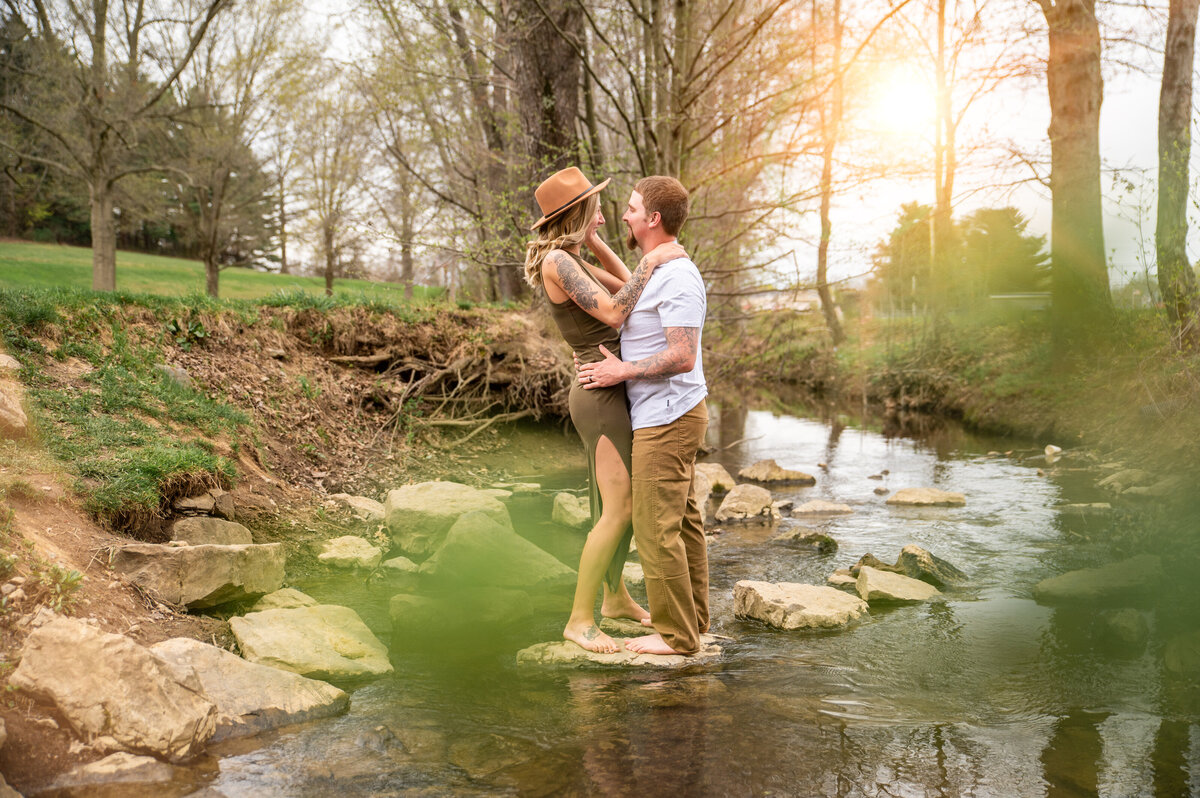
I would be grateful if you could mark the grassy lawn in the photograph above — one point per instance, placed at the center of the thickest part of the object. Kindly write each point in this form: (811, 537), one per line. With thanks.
(26, 265)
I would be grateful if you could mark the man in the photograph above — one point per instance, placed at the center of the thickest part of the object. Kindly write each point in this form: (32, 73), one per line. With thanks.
(660, 342)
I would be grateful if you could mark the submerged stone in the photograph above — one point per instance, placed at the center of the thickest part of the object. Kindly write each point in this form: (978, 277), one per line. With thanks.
(791, 605)
(479, 551)
(821, 507)
(420, 515)
(117, 769)
(1120, 581)
(770, 471)
(926, 497)
(568, 654)
(809, 539)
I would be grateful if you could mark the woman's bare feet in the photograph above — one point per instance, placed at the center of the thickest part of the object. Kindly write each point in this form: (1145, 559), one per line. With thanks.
(649, 644)
(623, 607)
(588, 636)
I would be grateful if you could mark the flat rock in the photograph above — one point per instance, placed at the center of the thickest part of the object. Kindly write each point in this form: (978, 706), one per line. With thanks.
(571, 510)
(118, 768)
(918, 563)
(498, 493)
(790, 605)
(566, 653)
(420, 515)
(874, 585)
(1118, 581)
(363, 508)
(205, 575)
(479, 551)
(251, 698)
(349, 551)
(718, 477)
(770, 471)
(633, 574)
(115, 694)
(809, 539)
(284, 599)
(1090, 510)
(14, 424)
(745, 503)
(200, 530)
(400, 565)
(926, 497)
(821, 507)
(842, 579)
(623, 627)
(325, 642)
(203, 504)
(519, 488)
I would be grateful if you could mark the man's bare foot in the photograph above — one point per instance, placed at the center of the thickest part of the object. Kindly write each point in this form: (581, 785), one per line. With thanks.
(649, 644)
(615, 607)
(587, 635)
(647, 622)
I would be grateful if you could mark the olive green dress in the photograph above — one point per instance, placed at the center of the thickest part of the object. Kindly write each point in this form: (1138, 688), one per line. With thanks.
(599, 412)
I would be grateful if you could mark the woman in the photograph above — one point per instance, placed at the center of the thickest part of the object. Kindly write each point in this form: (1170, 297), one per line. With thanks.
(589, 305)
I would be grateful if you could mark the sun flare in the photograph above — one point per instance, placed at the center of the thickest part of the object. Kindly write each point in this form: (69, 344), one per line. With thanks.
(903, 105)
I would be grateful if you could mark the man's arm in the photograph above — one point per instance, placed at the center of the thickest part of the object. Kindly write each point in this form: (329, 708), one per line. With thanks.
(678, 358)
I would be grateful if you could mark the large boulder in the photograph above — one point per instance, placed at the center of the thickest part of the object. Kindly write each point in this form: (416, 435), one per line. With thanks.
(770, 471)
(349, 551)
(363, 508)
(478, 551)
(822, 507)
(874, 585)
(1126, 580)
(420, 515)
(14, 424)
(114, 693)
(325, 642)
(199, 530)
(571, 510)
(203, 576)
(251, 698)
(926, 497)
(563, 653)
(718, 477)
(789, 605)
(746, 502)
(921, 564)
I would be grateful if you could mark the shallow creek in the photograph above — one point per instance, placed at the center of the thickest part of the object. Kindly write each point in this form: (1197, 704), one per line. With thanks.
(982, 693)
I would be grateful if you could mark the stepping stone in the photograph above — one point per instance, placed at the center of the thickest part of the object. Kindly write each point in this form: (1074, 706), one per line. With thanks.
(746, 503)
(479, 551)
(807, 538)
(349, 551)
(325, 642)
(821, 507)
(926, 497)
(202, 576)
(623, 627)
(566, 653)
(791, 605)
(770, 471)
(419, 516)
(883, 586)
(718, 477)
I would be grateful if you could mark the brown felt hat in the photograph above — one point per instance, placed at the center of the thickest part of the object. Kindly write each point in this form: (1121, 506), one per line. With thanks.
(561, 190)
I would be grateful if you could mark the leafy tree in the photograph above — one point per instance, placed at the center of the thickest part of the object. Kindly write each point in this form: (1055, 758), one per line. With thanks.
(998, 256)
(902, 265)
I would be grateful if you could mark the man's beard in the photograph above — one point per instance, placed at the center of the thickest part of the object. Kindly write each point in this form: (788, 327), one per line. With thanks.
(630, 241)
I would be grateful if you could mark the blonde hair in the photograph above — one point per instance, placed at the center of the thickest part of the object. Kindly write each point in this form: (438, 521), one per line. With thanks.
(566, 230)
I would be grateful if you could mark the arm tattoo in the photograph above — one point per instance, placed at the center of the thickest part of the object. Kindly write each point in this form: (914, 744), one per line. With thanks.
(575, 283)
(627, 297)
(681, 347)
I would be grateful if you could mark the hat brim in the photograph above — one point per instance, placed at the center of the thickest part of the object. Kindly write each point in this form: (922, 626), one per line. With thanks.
(593, 190)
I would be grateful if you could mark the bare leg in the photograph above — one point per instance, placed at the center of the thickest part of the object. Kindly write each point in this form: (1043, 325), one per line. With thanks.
(615, 493)
(620, 604)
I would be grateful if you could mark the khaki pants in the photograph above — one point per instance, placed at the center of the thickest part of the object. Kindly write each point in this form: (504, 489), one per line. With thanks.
(669, 530)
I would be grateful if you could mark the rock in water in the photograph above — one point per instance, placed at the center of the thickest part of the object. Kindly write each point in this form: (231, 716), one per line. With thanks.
(871, 560)
(809, 539)
(926, 497)
(633, 575)
(115, 770)
(203, 576)
(921, 564)
(566, 653)
(789, 605)
(1125, 629)
(1127, 580)
(200, 530)
(420, 515)
(842, 579)
(251, 698)
(718, 477)
(466, 610)
(819, 507)
(115, 693)
(478, 551)
(325, 642)
(702, 488)
(571, 510)
(349, 551)
(875, 585)
(770, 471)
(284, 599)
(745, 503)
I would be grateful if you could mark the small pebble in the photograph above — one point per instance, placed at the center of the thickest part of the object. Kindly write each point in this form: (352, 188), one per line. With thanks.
(17, 580)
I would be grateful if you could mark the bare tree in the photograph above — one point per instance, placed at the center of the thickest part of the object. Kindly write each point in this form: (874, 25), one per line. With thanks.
(830, 122)
(1175, 277)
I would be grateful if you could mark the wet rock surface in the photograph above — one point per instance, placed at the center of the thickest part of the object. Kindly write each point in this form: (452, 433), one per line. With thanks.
(790, 605)
(325, 642)
(571, 510)
(1127, 580)
(874, 585)
(563, 653)
(926, 497)
(772, 472)
(479, 551)
(746, 503)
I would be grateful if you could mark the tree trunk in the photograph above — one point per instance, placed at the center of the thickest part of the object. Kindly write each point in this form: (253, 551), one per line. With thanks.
(1079, 273)
(1175, 277)
(830, 132)
(104, 237)
(283, 261)
(941, 268)
(330, 261)
(212, 275)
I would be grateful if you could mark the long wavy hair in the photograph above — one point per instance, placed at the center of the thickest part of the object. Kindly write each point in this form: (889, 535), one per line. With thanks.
(567, 230)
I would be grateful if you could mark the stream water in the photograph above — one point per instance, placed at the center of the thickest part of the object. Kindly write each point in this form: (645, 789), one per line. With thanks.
(983, 693)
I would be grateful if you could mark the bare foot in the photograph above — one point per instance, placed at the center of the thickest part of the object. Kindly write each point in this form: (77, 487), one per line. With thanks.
(647, 622)
(588, 636)
(649, 644)
(615, 607)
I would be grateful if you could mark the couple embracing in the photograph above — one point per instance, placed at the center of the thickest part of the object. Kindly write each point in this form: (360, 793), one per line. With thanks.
(638, 403)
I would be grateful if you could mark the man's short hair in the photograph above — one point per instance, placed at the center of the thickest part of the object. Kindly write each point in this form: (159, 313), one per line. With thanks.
(667, 197)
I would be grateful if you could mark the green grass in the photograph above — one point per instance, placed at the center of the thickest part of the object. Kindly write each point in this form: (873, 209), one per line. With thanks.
(33, 266)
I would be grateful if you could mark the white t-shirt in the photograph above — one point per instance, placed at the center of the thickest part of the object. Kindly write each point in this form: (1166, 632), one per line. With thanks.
(674, 297)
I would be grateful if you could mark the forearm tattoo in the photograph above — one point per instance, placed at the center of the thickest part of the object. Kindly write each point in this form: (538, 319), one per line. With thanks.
(575, 283)
(627, 297)
(681, 347)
